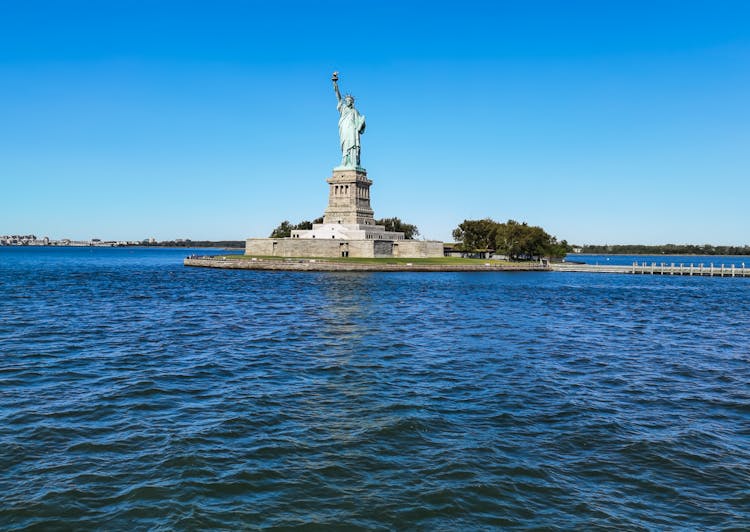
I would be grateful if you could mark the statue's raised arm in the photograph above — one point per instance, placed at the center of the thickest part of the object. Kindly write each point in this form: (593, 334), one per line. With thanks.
(335, 79)
(351, 126)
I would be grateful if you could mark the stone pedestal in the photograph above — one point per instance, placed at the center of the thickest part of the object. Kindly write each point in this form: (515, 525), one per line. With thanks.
(349, 198)
(348, 228)
(349, 215)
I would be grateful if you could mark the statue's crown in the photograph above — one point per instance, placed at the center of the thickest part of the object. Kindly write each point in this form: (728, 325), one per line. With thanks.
(349, 95)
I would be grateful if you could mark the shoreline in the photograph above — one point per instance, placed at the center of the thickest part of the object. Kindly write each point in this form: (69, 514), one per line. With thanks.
(333, 265)
(321, 265)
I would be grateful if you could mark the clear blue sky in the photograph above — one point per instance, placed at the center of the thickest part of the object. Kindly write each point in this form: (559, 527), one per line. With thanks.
(601, 121)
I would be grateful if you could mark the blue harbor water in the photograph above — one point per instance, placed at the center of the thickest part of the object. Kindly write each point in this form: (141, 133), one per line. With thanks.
(686, 260)
(137, 393)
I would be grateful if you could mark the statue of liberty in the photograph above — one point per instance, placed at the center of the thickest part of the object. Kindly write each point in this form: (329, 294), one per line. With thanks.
(351, 126)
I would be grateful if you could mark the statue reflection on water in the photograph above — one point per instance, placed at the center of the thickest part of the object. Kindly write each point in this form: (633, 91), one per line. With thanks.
(346, 365)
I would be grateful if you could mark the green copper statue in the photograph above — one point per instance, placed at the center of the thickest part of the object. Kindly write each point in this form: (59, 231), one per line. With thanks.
(351, 126)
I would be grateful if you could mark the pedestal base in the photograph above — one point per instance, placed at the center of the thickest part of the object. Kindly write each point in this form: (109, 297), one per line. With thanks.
(336, 231)
(348, 228)
(349, 198)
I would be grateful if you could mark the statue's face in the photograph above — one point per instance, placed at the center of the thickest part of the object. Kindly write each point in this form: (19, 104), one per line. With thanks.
(349, 101)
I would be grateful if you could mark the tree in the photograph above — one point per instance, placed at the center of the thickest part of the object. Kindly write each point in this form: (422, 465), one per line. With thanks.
(513, 239)
(285, 228)
(395, 224)
(474, 235)
(522, 241)
(668, 249)
(304, 224)
(559, 249)
(509, 239)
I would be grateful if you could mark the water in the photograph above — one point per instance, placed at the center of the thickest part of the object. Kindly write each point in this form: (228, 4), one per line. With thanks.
(137, 393)
(739, 261)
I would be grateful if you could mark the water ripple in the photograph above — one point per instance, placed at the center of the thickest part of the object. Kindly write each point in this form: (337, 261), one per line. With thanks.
(137, 393)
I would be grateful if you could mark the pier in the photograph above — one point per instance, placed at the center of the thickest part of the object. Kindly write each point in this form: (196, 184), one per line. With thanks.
(662, 268)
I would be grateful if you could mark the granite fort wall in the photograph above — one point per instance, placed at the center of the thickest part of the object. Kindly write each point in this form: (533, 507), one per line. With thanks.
(309, 247)
(333, 248)
(418, 248)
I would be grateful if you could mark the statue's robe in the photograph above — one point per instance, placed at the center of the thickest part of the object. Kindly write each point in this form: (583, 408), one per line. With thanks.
(351, 126)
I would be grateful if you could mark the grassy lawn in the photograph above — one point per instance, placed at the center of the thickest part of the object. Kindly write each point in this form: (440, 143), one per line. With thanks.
(386, 260)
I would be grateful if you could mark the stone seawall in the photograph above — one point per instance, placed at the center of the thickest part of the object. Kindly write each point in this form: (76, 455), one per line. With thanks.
(330, 266)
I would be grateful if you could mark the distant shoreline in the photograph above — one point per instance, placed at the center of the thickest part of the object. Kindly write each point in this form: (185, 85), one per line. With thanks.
(140, 246)
(242, 248)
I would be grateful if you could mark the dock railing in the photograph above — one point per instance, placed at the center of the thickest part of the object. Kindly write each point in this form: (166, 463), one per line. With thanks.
(699, 269)
(663, 268)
